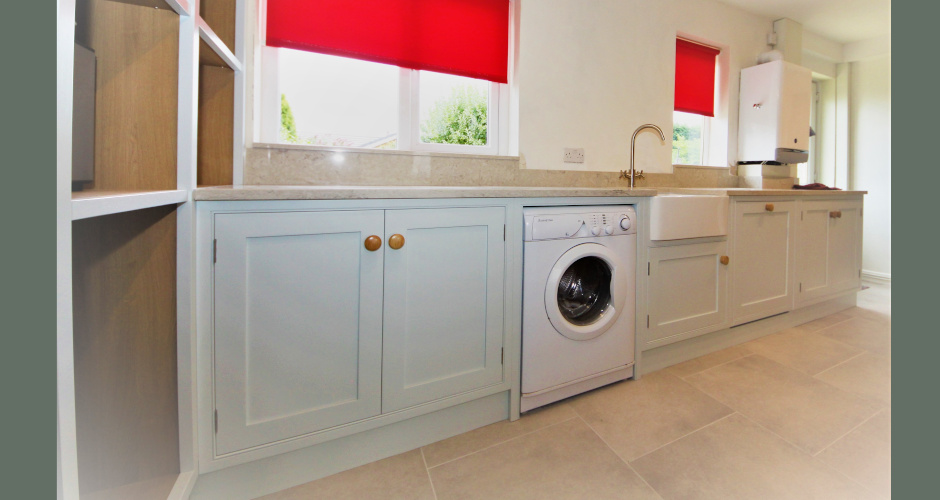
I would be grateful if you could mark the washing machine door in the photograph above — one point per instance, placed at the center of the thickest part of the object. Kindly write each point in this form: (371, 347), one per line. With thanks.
(585, 291)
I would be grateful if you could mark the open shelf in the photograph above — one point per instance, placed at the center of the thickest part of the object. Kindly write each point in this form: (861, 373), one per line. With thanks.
(216, 125)
(124, 337)
(87, 204)
(136, 68)
(219, 15)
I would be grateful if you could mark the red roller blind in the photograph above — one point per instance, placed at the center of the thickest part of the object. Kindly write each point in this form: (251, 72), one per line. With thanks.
(459, 37)
(695, 78)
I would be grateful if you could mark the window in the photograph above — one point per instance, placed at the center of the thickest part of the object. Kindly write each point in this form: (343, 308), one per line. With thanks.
(418, 84)
(694, 102)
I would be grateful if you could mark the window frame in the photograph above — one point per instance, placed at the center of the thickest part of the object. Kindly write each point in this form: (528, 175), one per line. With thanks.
(268, 106)
(712, 152)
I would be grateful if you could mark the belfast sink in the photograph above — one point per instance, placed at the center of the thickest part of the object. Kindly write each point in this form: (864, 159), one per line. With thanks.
(675, 216)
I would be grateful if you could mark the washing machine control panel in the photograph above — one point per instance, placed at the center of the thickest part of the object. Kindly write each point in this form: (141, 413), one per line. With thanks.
(578, 222)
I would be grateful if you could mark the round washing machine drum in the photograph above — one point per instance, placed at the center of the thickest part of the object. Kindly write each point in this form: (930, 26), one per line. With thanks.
(585, 292)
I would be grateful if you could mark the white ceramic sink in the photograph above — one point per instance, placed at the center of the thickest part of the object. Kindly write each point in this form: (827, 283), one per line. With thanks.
(675, 216)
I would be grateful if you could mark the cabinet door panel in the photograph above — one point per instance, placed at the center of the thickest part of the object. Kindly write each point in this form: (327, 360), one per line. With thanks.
(844, 244)
(688, 291)
(763, 265)
(812, 256)
(443, 326)
(297, 324)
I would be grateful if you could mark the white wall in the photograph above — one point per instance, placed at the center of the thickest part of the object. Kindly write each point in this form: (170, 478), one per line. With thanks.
(870, 143)
(590, 71)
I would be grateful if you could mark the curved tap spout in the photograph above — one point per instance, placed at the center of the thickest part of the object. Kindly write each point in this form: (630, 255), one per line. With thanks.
(632, 171)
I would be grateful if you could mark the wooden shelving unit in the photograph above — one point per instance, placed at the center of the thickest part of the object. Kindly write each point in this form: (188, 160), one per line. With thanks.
(137, 53)
(124, 300)
(166, 114)
(217, 72)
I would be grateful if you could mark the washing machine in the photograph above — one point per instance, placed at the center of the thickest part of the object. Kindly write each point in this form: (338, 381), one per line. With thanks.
(579, 307)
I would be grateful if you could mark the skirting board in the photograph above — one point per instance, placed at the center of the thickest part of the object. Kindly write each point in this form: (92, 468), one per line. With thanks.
(268, 475)
(668, 355)
(876, 276)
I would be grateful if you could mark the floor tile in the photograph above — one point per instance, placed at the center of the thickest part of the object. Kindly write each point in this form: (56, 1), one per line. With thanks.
(868, 376)
(823, 322)
(484, 437)
(865, 454)
(637, 416)
(862, 333)
(880, 317)
(563, 461)
(401, 477)
(806, 412)
(806, 352)
(737, 459)
(707, 361)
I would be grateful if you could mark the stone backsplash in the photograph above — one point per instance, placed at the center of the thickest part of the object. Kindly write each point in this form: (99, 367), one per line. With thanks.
(286, 165)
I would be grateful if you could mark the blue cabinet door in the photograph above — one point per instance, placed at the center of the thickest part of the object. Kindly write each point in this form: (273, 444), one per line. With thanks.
(443, 324)
(298, 324)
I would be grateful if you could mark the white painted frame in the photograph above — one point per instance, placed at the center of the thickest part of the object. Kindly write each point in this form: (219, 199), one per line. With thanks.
(267, 102)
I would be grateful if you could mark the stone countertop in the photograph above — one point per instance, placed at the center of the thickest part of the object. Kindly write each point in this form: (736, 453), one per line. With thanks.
(758, 192)
(232, 193)
(241, 193)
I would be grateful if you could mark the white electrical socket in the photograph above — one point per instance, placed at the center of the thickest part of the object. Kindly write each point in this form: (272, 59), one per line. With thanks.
(574, 155)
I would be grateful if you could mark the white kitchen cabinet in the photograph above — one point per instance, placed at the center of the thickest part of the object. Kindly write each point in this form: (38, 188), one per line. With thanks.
(828, 248)
(443, 332)
(764, 236)
(312, 330)
(688, 291)
(298, 324)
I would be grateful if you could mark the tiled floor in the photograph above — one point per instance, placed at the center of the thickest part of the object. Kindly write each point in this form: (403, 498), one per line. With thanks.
(803, 413)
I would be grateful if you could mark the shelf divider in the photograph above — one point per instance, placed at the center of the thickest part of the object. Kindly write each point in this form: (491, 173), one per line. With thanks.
(87, 204)
(218, 46)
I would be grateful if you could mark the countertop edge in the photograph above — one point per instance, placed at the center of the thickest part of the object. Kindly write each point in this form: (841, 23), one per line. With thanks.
(244, 193)
(267, 192)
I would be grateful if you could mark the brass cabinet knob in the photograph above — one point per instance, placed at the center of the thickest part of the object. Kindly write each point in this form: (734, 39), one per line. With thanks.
(835, 214)
(769, 207)
(724, 259)
(396, 241)
(373, 243)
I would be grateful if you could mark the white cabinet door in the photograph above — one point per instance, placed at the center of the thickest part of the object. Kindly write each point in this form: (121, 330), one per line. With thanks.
(828, 248)
(688, 291)
(764, 239)
(298, 324)
(845, 246)
(443, 328)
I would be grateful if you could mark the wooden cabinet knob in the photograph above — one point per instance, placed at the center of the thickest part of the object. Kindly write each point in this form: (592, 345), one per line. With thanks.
(396, 241)
(769, 207)
(835, 214)
(724, 260)
(373, 243)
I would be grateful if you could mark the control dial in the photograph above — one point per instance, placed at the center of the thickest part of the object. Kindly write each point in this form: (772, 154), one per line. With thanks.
(596, 230)
(608, 229)
(625, 223)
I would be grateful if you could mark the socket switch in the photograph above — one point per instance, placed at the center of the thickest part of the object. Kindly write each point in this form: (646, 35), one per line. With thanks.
(574, 155)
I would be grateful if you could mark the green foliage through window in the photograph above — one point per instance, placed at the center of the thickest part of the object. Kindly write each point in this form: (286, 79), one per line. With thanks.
(457, 119)
(687, 138)
(288, 131)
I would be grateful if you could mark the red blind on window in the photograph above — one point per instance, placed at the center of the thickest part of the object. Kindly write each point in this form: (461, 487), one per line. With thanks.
(695, 78)
(459, 37)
